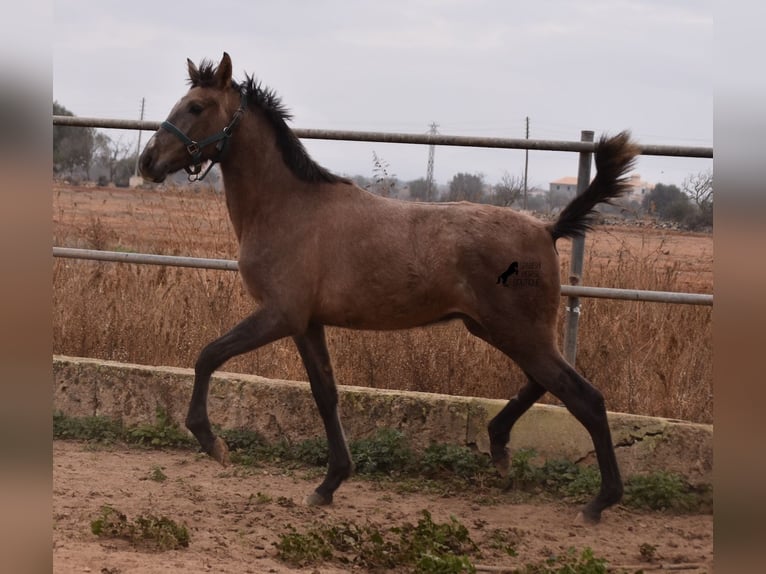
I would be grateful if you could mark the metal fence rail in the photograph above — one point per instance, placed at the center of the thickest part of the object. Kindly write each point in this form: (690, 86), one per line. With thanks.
(230, 265)
(404, 138)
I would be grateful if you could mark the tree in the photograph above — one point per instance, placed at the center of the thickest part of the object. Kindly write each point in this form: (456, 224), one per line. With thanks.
(115, 157)
(419, 189)
(667, 202)
(72, 146)
(466, 187)
(508, 191)
(699, 188)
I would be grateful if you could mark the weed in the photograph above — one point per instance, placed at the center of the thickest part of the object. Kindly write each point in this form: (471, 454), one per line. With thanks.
(523, 474)
(164, 432)
(149, 531)
(157, 475)
(427, 548)
(575, 482)
(568, 563)
(505, 540)
(439, 459)
(260, 498)
(661, 491)
(647, 551)
(303, 549)
(385, 452)
(91, 428)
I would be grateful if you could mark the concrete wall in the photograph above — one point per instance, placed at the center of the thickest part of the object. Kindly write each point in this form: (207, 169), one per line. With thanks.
(285, 409)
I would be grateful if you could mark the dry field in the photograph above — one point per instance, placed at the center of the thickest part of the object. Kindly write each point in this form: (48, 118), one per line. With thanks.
(649, 358)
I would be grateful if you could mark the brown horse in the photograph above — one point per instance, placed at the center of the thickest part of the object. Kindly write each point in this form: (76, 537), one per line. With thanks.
(316, 250)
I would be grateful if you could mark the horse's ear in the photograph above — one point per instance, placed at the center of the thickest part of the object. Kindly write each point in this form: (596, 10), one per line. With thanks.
(223, 72)
(193, 72)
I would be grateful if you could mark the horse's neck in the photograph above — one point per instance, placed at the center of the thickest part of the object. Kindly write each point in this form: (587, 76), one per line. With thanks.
(256, 180)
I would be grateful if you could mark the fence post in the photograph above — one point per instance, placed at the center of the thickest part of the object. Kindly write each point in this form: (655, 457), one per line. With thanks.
(576, 261)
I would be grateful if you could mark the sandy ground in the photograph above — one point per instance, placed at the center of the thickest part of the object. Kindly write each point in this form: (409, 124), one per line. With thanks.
(233, 529)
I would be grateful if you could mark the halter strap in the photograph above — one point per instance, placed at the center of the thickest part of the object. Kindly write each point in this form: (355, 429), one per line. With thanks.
(221, 139)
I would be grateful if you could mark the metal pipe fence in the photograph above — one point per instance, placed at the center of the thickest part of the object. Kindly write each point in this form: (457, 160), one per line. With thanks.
(585, 148)
(405, 138)
(231, 265)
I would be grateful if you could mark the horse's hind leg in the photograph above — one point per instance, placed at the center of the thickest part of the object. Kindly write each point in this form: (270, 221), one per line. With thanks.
(500, 426)
(586, 403)
(313, 350)
(258, 329)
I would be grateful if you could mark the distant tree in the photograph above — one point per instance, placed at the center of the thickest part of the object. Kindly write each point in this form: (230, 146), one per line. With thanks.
(418, 189)
(115, 157)
(466, 187)
(667, 202)
(508, 191)
(699, 188)
(72, 146)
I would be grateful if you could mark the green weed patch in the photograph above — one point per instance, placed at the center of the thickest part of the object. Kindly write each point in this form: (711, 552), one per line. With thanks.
(145, 531)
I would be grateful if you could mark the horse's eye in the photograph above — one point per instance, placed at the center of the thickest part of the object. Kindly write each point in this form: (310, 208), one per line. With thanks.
(195, 108)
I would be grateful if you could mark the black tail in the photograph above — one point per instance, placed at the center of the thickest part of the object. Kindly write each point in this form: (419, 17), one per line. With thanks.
(614, 158)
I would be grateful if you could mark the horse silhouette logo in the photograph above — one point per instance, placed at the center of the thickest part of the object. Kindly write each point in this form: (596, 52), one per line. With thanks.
(513, 269)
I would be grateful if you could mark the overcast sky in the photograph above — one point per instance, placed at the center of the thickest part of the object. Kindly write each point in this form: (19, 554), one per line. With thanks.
(474, 67)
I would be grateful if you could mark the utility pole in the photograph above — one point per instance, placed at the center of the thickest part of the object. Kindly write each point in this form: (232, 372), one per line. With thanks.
(430, 170)
(138, 148)
(526, 166)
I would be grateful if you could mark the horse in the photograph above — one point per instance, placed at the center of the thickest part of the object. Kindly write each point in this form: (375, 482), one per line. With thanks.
(316, 250)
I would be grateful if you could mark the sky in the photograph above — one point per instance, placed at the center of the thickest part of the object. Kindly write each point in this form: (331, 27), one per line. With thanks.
(475, 67)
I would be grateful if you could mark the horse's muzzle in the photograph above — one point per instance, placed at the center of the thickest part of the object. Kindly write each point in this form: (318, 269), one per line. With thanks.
(148, 165)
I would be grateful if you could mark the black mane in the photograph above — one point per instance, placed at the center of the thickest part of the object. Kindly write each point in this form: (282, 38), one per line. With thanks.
(294, 154)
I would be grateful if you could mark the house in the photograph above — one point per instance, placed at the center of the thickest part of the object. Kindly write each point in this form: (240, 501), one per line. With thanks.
(638, 187)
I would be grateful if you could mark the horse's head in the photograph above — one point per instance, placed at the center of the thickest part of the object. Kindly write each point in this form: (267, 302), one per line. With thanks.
(199, 125)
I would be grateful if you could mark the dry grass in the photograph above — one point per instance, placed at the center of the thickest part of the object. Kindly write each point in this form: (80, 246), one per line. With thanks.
(653, 359)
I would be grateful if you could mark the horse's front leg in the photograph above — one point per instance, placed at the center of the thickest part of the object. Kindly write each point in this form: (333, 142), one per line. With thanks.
(313, 350)
(260, 328)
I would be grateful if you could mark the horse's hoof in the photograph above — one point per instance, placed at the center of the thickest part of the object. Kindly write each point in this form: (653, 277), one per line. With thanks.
(316, 499)
(583, 519)
(501, 461)
(220, 452)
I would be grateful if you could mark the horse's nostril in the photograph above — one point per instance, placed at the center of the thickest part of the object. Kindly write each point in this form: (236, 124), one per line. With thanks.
(145, 162)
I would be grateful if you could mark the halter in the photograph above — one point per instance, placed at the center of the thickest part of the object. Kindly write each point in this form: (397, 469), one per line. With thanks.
(221, 139)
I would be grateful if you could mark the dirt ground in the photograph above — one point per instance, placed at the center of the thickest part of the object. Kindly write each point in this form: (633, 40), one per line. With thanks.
(235, 516)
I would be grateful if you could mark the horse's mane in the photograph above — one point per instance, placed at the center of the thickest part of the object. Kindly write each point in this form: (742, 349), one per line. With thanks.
(265, 99)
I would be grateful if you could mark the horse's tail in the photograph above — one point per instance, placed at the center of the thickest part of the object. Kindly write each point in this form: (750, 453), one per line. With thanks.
(614, 158)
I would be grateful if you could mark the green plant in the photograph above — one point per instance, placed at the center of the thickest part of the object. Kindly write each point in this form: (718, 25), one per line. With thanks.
(647, 551)
(303, 549)
(428, 547)
(568, 563)
(159, 533)
(164, 432)
(522, 473)
(385, 452)
(91, 428)
(660, 491)
(439, 459)
(157, 475)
